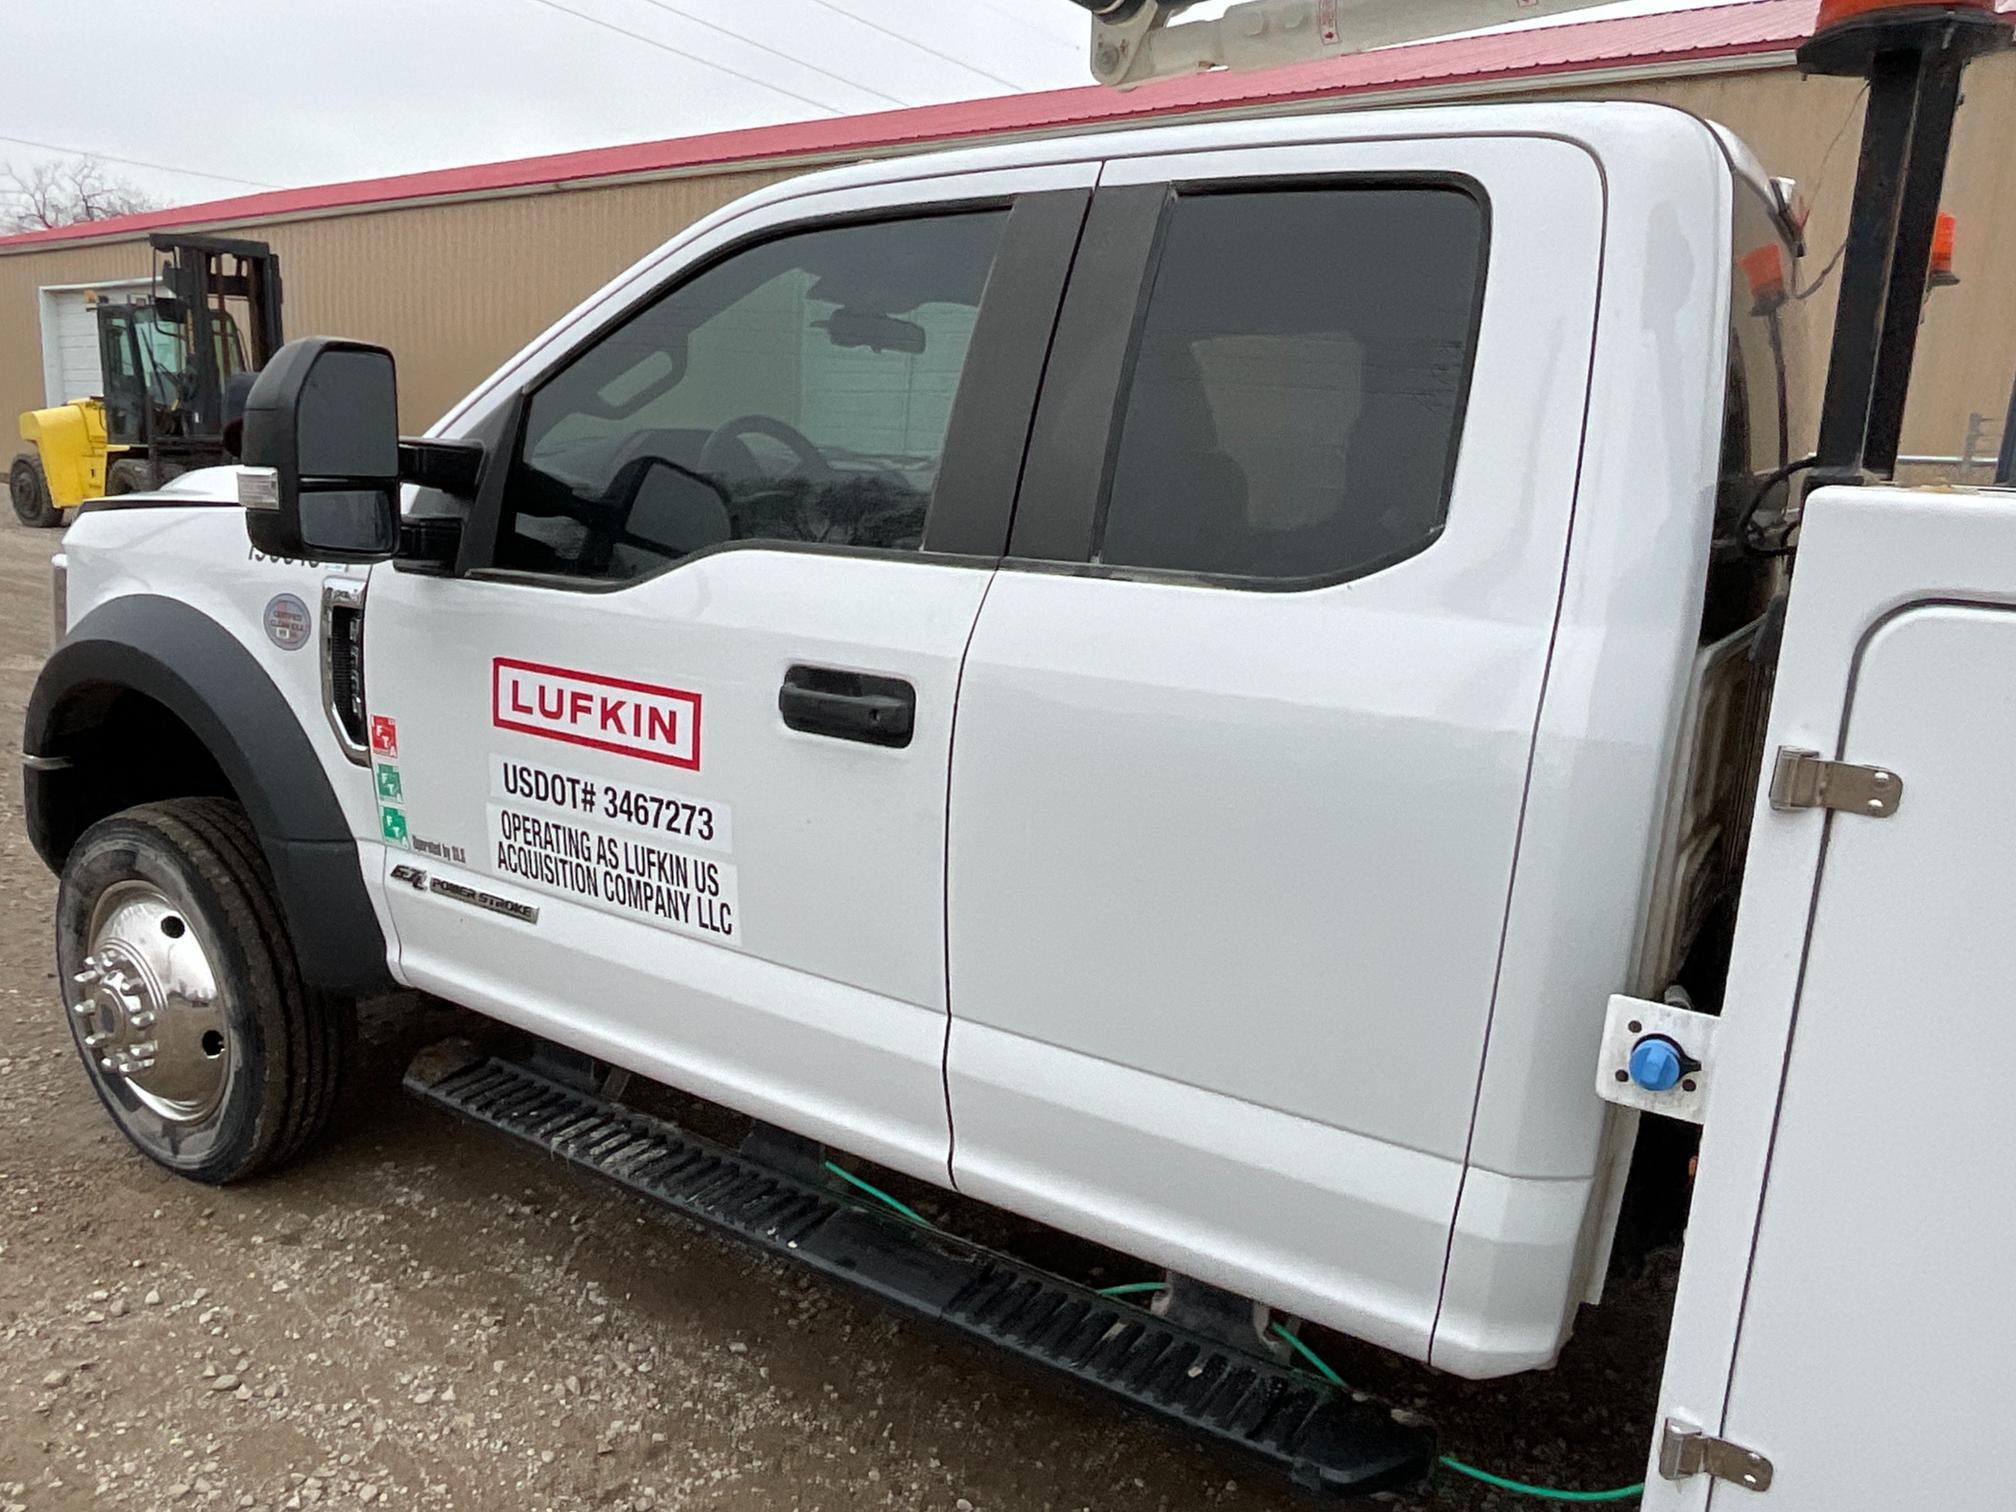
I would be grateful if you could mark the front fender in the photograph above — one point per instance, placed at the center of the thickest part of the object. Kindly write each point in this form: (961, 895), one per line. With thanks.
(192, 667)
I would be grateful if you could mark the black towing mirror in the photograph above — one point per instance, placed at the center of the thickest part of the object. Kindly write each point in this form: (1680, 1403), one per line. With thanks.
(321, 451)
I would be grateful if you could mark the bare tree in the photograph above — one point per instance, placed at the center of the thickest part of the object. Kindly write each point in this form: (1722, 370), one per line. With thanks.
(62, 193)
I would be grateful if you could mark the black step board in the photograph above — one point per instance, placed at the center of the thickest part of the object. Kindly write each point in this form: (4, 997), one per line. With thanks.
(1329, 1441)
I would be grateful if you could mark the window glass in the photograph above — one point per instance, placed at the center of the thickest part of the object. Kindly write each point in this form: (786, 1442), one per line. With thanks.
(797, 391)
(1298, 382)
(1767, 339)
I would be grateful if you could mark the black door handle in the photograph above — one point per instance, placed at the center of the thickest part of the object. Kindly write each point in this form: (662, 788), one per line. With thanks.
(848, 705)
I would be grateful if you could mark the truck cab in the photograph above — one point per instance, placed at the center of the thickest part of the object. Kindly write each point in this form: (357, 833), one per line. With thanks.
(1159, 681)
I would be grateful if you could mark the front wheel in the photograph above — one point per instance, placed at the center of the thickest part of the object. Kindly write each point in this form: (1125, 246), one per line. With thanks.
(128, 475)
(184, 998)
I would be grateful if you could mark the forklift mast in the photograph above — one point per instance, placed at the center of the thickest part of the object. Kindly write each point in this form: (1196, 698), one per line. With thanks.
(197, 275)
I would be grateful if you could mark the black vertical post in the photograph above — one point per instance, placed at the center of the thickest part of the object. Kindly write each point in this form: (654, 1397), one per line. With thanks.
(1937, 102)
(2005, 462)
(1866, 267)
(1912, 56)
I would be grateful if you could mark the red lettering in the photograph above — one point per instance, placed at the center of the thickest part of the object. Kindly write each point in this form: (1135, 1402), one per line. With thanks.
(518, 704)
(664, 725)
(559, 702)
(612, 714)
(579, 704)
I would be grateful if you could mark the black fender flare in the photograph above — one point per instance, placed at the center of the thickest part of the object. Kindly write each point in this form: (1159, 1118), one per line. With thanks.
(181, 659)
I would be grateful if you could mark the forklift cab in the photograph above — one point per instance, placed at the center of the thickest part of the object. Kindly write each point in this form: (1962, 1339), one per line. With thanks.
(153, 387)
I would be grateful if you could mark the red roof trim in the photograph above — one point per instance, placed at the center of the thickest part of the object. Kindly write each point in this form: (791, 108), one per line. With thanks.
(1725, 31)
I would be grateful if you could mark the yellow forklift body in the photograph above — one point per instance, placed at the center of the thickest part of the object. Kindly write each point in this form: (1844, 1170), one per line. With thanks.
(71, 439)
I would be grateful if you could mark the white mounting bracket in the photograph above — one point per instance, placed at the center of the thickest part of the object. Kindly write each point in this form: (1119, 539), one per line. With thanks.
(1630, 1023)
(1146, 41)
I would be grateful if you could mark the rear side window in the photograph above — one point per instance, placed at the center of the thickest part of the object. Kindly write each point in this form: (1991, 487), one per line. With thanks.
(1298, 383)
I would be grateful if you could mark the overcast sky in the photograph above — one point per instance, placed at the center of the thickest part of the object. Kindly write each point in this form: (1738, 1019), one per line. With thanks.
(284, 92)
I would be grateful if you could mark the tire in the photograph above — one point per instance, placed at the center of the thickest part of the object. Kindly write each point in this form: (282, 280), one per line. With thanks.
(128, 475)
(28, 491)
(232, 1069)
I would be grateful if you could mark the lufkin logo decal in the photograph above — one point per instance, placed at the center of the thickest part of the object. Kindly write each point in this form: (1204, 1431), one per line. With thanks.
(603, 713)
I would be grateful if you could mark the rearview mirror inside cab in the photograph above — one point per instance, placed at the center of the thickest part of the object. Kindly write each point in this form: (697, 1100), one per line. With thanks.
(321, 448)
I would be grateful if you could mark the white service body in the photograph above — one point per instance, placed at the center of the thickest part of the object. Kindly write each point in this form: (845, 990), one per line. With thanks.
(1844, 1308)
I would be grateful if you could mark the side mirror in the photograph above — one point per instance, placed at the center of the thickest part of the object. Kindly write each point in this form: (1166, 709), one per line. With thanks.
(321, 448)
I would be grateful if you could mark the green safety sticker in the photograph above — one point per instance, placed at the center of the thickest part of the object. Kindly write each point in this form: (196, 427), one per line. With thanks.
(388, 783)
(393, 822)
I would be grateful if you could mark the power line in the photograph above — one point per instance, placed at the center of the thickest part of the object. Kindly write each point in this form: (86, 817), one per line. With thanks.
(555, 5)
(909, 41)
(113, 157)
(1025, 24)
(791, 58)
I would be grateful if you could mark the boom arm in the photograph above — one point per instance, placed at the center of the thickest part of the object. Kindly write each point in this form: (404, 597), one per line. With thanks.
(1134, 41)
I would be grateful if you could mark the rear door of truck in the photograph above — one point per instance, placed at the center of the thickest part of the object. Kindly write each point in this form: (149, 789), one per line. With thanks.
(1246, 720)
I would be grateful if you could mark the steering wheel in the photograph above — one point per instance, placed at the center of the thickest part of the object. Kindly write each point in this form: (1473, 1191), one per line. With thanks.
(723, 454)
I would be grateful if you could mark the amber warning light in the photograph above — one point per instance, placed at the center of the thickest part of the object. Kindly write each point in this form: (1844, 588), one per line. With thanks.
(1764, 267)
(1943, 237)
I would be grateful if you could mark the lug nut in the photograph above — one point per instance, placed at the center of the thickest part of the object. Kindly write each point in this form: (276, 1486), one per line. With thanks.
(144, 1019)
(93, 1041)
(84, 1009)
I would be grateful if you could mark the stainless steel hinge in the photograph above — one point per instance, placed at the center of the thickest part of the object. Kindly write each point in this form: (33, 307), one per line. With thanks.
(1800, 779)
(1685, 1451)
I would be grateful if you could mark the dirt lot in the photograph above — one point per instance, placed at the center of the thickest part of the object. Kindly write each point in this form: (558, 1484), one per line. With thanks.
(423, 1317)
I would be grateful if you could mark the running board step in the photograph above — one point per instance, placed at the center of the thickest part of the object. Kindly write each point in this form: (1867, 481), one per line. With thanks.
(1333, 1442)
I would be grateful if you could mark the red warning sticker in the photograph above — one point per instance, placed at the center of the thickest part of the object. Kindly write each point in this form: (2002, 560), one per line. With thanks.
(604, 713)
(384, 735)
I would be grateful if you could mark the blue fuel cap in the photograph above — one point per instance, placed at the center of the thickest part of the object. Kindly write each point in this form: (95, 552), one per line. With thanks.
(1657, 1064)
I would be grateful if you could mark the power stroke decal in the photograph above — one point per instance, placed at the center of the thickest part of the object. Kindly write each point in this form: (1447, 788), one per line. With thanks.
(694, 895)
(603, 713)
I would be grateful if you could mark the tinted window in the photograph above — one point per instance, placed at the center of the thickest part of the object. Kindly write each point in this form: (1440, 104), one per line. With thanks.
(797, 391)
(1298, 382)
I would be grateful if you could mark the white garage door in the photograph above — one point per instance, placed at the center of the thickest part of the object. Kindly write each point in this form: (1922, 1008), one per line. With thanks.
(70, 339)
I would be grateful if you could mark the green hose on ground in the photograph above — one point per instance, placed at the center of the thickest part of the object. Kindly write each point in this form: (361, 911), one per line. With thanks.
(1322, 1366)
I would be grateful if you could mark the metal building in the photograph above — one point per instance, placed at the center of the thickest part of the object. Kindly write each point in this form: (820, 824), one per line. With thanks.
(456, 269)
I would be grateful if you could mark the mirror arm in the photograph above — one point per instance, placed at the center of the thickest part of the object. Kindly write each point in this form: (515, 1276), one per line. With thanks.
(454, 467)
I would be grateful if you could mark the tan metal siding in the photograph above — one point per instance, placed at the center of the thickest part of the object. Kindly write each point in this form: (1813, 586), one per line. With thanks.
(1967, 348)
(455, 288)
(21, 314)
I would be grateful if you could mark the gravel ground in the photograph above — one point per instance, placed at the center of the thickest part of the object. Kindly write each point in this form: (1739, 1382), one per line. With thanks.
(422, 1316)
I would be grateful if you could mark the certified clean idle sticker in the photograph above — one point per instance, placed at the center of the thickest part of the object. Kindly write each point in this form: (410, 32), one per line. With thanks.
(676, 817)
(287, 621)
(604, 713)
(618, 873)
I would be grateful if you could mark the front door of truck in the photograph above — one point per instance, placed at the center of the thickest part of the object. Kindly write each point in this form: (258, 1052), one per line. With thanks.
(1247, 718)
(665, 762)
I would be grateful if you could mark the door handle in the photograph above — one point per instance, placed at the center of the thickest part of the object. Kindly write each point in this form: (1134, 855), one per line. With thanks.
(848, 705)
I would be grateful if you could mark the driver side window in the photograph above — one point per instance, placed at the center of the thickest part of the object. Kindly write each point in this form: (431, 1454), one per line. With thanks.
(799, 390)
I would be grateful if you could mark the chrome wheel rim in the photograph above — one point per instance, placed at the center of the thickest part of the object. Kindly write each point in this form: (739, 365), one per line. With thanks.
(146, 1007)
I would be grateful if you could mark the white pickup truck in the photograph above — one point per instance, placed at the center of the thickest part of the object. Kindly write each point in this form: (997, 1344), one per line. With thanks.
(1161, 681)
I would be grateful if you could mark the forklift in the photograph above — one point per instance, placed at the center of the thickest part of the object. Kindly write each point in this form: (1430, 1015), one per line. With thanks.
(176, 364)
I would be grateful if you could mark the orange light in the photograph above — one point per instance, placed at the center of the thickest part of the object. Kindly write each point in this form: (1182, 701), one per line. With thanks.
(1834, 12)
(1944, 235)
(1764, 267)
